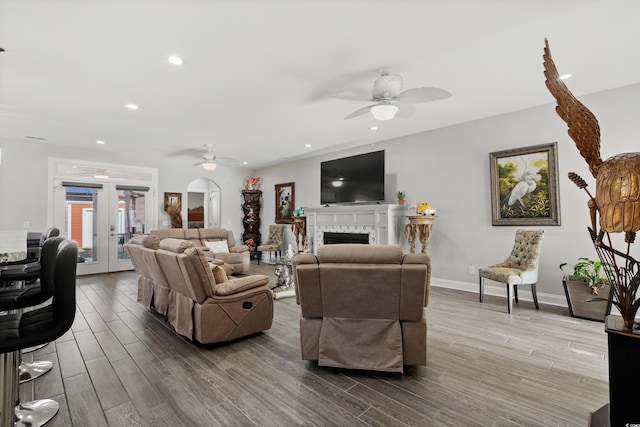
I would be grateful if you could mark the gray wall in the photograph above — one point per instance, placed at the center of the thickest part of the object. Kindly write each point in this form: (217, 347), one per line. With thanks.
(449, 168)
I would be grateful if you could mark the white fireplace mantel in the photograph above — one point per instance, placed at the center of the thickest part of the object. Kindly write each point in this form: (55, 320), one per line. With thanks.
(383, 223)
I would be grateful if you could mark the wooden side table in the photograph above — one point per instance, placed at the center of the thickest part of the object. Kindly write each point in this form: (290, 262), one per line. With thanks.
(299, 228)
(422, 225)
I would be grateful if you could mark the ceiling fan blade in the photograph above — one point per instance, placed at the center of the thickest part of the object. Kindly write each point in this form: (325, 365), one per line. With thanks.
(352, 98)
(359, 112)
(423, 94)
(191, 152)
(346, 82)
(227, 161)
(405, 110)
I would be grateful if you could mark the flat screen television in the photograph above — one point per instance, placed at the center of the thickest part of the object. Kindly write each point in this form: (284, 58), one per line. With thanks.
(354, 179)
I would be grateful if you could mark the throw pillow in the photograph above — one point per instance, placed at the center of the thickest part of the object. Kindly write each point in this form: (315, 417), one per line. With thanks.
(228, 268)
(219, 274)
(176, 245)
(218, 247)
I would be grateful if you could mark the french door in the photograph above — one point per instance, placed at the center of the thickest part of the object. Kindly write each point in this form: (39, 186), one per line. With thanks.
(101, 218)
(100, 206)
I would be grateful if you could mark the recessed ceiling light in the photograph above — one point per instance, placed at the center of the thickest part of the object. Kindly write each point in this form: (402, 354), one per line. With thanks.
(245, 163)
(131, 106)
(373, 128)
(307, 145)
(100, 142)
(565, 76)
(175, 60)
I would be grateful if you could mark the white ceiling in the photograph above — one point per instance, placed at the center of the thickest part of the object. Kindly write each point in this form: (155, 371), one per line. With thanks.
(258, 75)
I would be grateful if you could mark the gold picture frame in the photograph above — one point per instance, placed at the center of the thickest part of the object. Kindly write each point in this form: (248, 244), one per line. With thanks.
(285, 202)
(524, 186)
(172, 199)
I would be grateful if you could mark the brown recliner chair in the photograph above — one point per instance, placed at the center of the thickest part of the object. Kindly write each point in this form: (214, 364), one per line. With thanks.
(363, 306)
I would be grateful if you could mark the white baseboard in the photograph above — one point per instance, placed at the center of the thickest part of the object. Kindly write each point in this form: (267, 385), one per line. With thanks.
(524, 293)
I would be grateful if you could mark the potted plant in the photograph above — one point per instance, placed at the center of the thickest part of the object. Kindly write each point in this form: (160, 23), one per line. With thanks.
(587, 291)
(401, 195)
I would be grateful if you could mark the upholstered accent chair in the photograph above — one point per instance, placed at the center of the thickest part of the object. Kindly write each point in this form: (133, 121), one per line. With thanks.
(274, 242)
(521, 268)
(362, 306)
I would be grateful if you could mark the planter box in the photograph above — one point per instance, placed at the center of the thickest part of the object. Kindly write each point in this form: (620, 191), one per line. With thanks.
(578, 292)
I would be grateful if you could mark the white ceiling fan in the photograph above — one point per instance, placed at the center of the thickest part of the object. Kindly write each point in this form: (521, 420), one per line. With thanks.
(391, 101)
(210, 161)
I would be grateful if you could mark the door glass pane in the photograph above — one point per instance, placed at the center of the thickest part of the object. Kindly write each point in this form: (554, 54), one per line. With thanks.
(82, 221)
(131, 216)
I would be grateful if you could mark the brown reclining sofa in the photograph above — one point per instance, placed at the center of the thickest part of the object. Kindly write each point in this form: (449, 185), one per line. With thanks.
(178, 282)
(238, 256)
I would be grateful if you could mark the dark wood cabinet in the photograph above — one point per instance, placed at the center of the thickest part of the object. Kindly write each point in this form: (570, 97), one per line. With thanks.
(251, 221)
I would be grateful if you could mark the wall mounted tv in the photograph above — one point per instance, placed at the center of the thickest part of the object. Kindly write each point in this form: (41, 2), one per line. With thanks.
(355, 179)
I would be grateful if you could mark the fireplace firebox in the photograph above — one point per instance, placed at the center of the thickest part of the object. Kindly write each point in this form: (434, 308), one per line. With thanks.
(330, 238)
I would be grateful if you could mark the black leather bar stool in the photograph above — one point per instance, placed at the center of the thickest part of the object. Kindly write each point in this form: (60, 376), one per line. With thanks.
(35, 327)
(29, 296)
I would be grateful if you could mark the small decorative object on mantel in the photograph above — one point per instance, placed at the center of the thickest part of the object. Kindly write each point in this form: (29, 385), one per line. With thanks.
(401, 196)
(252, 183)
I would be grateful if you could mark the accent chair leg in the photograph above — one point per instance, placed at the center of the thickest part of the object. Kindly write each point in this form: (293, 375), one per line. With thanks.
(509, 300)
(535, 295)
(515, 292)
(259, 255)
(481, 286)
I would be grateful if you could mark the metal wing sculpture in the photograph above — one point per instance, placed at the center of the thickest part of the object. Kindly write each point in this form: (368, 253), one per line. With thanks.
(617, 199)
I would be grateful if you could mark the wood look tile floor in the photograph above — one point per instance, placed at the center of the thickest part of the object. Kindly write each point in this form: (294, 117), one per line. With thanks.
(121, 365)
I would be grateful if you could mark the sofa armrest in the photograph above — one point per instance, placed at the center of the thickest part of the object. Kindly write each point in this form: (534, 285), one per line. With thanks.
(238, 249)
(240, 284)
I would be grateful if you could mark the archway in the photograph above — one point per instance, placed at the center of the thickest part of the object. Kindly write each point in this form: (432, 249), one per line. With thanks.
(203, 204)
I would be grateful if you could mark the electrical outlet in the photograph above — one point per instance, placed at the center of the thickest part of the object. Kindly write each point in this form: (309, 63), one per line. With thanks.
(472, 269)
(26, 224)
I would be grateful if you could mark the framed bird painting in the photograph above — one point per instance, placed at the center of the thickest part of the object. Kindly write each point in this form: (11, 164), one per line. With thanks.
(524, 186)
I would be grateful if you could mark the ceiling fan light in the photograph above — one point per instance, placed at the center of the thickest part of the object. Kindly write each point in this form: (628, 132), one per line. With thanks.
(209, 166)
(101, 174)
(384, 111)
